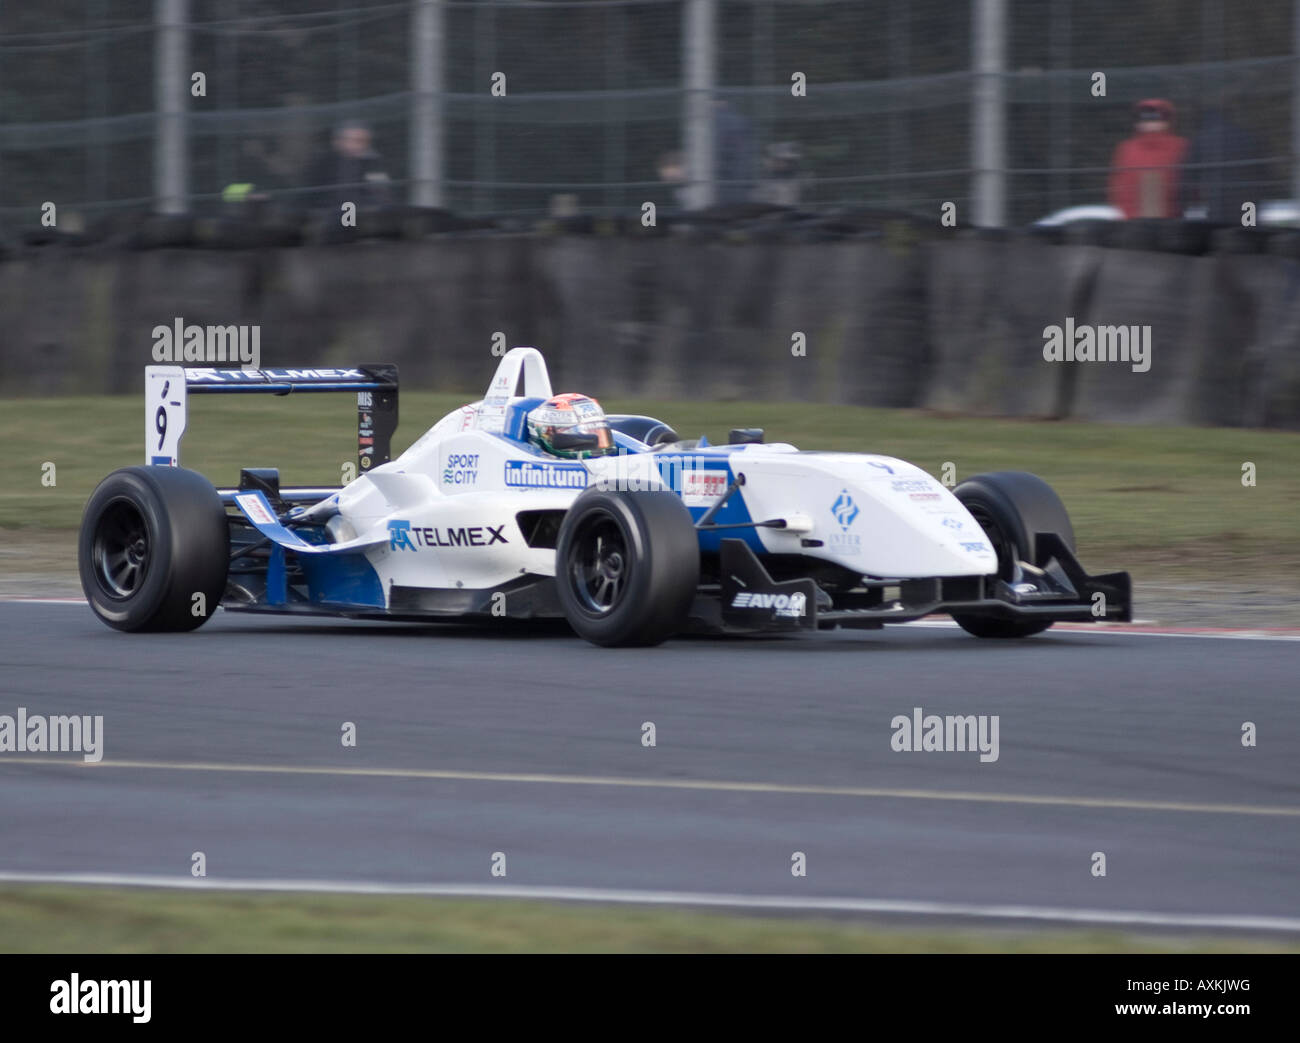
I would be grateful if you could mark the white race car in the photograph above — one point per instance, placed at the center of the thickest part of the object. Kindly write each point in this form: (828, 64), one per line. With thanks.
(614, 523)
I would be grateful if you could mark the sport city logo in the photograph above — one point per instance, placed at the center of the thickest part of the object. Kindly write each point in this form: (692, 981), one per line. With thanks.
(845, 510)
(461, 469)
(402, 536)
(790, 605)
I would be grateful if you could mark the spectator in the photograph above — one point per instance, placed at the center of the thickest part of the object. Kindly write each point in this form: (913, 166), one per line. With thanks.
(251, 195)
(734, 163)
(1209, 185)
(783, 176)
(671, 167)
(1144, 170)
(735, 159)
(351, 171)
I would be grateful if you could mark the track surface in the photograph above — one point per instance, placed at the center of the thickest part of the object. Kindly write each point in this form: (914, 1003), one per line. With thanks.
(1127, 745)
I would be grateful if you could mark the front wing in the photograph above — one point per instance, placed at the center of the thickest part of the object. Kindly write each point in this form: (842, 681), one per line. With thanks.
(748, 599)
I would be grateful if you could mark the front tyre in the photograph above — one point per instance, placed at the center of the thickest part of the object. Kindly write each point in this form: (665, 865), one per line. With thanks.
(627, 565)
(152, 538)
(1012, 507)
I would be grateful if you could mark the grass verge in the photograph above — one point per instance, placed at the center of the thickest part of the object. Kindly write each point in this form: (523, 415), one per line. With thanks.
(44, 918)
(1163, 501)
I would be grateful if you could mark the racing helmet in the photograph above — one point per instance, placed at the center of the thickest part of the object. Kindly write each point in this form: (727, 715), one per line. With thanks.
(571, 426)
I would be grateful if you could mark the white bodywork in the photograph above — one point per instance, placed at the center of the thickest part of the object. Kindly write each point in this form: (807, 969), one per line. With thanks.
(455, 493)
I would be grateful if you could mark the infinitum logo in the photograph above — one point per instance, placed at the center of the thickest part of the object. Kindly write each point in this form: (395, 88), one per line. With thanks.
(74, 996)
(545, 476)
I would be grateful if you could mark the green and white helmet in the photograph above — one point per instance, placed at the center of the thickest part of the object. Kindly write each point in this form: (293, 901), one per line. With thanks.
(572, 427)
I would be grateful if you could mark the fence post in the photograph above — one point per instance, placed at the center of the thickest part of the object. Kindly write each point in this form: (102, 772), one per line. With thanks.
(1295, 100)
(988, 112)
(699, 63)
(899, 67)
(427, 86)
(485, 125)
(171, 93)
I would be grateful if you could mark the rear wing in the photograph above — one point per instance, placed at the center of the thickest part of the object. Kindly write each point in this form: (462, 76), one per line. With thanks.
(167, 390)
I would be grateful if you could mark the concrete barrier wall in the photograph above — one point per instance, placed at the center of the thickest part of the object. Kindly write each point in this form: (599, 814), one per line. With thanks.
(953, 326)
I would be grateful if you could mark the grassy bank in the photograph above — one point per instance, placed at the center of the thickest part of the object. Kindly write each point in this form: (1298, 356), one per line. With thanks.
(1162, 500)
(68, 919)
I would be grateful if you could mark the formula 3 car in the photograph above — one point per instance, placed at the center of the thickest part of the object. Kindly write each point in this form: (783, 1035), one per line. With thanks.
(631, 543)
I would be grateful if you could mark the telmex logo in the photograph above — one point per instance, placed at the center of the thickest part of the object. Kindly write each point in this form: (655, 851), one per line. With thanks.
(402, 536)
(236, 376)
(784, 604)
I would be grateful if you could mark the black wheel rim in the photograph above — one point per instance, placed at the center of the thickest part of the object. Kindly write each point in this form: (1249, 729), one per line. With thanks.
(121, 550)
(1002, 544)
(599, 564)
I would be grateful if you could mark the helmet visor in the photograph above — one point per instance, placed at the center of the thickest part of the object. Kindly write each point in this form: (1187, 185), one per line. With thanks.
(578, 441)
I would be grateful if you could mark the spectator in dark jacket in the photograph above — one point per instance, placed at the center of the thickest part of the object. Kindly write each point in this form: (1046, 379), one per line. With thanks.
(783, 175)
(735, 155)
(351, 171)
(1209, 184)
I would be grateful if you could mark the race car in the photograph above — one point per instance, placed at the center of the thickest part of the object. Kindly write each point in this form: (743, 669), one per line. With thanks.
(528, 504)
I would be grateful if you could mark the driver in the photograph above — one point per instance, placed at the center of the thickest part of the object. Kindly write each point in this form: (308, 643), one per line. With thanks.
(571, 426)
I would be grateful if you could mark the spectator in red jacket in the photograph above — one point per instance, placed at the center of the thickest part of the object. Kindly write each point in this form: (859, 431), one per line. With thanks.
(1144, 169)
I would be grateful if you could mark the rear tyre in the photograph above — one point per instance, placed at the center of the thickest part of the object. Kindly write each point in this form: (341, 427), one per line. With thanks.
(1011, 507)
(151, 539)
(627, 566)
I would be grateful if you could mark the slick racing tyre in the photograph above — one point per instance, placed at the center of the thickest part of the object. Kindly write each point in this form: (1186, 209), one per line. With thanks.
(1011, 506)
(152, 538)
(626, 566)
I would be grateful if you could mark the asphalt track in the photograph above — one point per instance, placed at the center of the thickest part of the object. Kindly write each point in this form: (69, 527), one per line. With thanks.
(471, 742)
